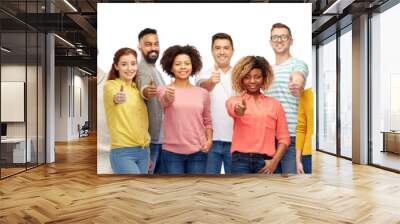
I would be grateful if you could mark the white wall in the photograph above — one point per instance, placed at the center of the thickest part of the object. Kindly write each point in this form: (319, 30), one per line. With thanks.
(71, 94)
(15, 72)
(61, 103)
(34, 124)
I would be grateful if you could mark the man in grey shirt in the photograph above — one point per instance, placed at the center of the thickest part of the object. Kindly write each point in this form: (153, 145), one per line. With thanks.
(148, 78)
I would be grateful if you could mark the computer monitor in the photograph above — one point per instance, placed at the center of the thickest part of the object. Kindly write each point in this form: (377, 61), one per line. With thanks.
(3, 130)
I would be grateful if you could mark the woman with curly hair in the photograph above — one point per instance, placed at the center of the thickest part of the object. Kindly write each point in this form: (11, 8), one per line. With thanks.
(259, 120)
(187, 122)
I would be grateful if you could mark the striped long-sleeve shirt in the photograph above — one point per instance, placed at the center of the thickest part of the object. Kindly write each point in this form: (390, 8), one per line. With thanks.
(280, 89)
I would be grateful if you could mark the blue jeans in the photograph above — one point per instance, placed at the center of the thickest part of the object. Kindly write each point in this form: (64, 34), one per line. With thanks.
(130, 160)
(175, 163)
(287, 164)
(244, 163)
(155, 158)
(307, 163)
(220, 152)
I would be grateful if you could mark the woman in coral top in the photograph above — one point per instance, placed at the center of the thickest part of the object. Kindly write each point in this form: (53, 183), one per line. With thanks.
(259, 120)
(187, 117)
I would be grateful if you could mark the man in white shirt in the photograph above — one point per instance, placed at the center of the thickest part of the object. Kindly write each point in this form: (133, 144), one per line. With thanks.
(217, 81)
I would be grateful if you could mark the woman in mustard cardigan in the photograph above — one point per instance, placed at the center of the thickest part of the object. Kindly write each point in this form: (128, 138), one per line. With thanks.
(304, 132)
(127, 118)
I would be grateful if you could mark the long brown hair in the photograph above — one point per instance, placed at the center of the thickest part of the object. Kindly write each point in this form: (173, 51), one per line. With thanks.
(113, 74)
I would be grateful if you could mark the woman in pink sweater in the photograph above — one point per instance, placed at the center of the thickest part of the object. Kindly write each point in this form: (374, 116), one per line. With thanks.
(259, 120)
(187, 118)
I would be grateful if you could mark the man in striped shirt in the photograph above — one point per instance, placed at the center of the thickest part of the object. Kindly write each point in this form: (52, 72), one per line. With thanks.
(290, 75)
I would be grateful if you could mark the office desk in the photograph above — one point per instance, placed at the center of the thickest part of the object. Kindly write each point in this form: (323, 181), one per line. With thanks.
(15, 148)
(391, 141)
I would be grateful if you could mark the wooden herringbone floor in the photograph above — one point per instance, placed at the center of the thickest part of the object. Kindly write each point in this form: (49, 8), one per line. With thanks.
(70, 191)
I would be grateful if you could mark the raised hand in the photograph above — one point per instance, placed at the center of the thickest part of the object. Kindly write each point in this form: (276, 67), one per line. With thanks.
(151, 90)
(240, 108)
(170, 94)
(215, 76)
(296, 84)
(120, 97)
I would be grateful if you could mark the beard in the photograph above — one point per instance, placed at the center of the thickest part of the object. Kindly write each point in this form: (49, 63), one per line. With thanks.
(149, 59)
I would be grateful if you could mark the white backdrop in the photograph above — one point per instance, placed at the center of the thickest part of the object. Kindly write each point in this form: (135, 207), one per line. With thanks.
(249, 24)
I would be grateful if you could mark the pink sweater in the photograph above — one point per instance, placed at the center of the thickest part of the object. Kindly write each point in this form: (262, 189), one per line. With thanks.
(186, 119)
(261, 124)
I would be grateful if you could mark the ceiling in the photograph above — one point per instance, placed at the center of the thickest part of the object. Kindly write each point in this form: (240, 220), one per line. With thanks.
(75, 21)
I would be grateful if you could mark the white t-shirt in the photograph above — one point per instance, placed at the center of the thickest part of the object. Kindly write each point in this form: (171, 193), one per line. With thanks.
(222, 123)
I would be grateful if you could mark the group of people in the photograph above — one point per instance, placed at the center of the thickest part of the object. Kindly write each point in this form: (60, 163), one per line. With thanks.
(253, 117)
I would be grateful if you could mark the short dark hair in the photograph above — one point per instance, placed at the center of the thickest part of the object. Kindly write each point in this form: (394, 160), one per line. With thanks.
(281, 25)
(169, 55)
(221, 36)
(145, 32)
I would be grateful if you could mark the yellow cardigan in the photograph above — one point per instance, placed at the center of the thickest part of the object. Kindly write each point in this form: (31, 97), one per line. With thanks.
(305, 122)
(127, 122)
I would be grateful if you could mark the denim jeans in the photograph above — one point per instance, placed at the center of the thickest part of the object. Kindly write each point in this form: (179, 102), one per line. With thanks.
(244, 163)
(220, 152)
(307, 163)
(287, 164)
(175, 163)
(155, 158)
(130, 160)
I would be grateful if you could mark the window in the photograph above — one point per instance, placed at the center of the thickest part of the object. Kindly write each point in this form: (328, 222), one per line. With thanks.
(346, 94)
(327, 96)
(385, 89)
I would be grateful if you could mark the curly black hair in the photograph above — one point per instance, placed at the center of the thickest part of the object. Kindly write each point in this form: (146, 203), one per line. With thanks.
(170, 54)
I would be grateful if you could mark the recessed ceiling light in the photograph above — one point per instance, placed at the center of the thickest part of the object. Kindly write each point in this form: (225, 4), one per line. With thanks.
(70, 5)
(337, 7)
(84, 71)
(5, 50)
(64, 40)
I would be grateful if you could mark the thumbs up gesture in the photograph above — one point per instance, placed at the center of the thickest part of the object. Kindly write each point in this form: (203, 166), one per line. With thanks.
(151, 90)
(240, 108)
(170, 94)
(215, 75)
(120, 97)
(296, 84)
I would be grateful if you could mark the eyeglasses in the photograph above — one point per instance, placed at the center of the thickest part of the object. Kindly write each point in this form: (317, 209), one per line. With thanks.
(283, 37)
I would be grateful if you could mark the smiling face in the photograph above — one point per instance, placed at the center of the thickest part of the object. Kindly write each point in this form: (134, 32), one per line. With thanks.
(126, 67)
(150, 48)
(253, 81)
(222, 52)
(281, 40)
(182, 67)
